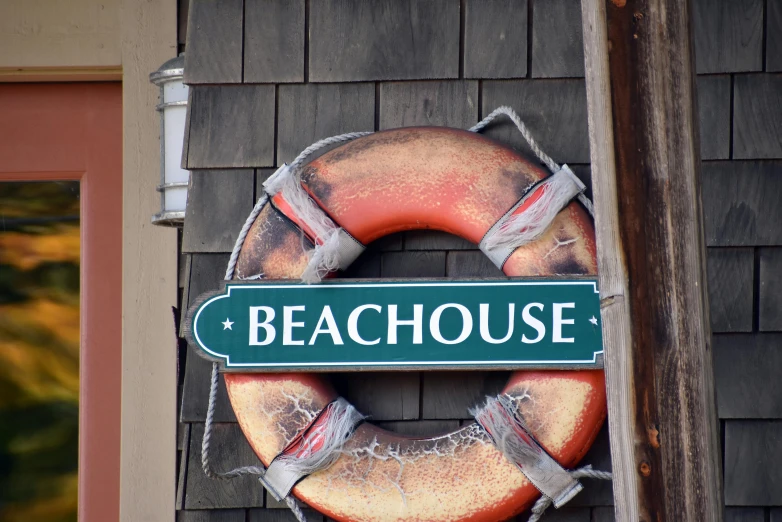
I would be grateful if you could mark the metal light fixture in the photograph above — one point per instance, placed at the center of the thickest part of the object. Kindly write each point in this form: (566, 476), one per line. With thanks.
(173, 109)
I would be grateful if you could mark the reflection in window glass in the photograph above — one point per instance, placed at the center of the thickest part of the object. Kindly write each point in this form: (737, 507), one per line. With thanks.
(39, 350)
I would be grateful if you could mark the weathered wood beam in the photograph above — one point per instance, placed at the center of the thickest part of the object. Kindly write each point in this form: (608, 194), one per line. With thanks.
(651, 256)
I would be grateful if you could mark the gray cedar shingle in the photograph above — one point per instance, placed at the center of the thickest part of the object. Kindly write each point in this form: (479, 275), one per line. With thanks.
(367, 266)
(728, 35)
(730, 275)
(261, 175)
(231, 126)
(603, 514)
(553, 110)
(746, 369)
(310, 112)
(274, 41)
(448, 395)
(753, 451)
(443, 103)
(229, 449)
(420, 428)
(495, 38)
(741, 203)
(211, 515)
(218, 202)
(413, 264)
(714, 111)
(757, 116)
(214, 42)
(557, 39)
(770, 309)
(435, 240)
(381, 395)
(470, 264)
(207, 270)
(184, 451)
(355, 40)
(597, 492)
(773, 35)
(742, 514)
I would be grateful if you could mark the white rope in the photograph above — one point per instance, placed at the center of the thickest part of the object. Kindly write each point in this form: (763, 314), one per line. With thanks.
(229, 271)
(544, 502)
(237, 472)
(525, 133)
(533, 145)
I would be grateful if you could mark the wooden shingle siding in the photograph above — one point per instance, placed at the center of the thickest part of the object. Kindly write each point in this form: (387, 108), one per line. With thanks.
(421, 428)
(557, 42)
(603, 514)
(206, 272)
(737, 514)
(386, 396)
(228, 450)
(597, 492)
(470, 263)
(728, 35)
(448, 395)
(273, 41)
(316, 68)
(753, 451)
(448, 103)
(746, 369)
(219, 202)
(495, 38)
(208, 515)
(731, 296)
(310, 112)
(554, 111)
(770, 308)
(757, 116)
(231, 126)
(773, 36)
(741, 203)
(413, 264)
(214, 42)
(356, 40)
(714, 112)
(433, 240)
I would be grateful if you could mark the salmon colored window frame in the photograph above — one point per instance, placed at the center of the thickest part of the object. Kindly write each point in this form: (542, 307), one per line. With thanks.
(74, 132)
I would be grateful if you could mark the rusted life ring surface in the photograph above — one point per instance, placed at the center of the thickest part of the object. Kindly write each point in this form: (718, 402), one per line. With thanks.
(415, 178)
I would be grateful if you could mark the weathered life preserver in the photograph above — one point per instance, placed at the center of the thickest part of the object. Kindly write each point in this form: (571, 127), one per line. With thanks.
(420, 178)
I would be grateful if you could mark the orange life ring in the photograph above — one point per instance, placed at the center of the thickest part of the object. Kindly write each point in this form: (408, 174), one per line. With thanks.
(415, 178)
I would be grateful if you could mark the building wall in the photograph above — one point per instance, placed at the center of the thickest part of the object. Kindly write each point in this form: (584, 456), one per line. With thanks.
(55, 36)
(269, 78)
(122, 40)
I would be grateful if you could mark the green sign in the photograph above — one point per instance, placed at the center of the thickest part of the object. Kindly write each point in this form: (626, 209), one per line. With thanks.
(413, 324)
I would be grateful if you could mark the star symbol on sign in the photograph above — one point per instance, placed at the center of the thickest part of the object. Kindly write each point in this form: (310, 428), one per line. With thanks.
(593, 320)
(227, 324)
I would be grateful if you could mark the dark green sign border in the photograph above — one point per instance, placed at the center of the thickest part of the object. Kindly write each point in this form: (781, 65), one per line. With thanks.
(229, 286)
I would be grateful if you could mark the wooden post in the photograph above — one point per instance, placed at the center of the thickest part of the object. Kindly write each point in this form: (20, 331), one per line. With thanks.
(651, 255)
